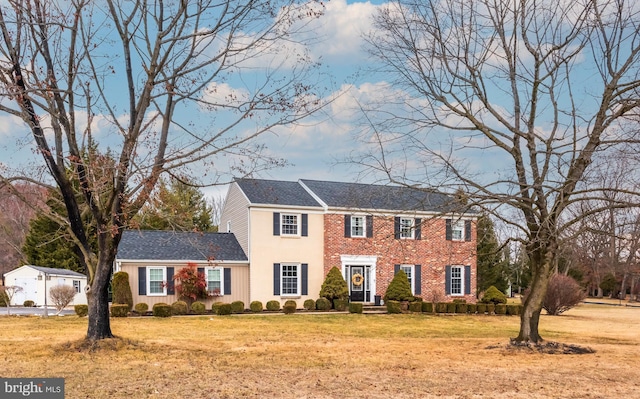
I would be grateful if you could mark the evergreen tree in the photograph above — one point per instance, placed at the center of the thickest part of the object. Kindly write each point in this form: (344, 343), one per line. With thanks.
(399, 288)
(492, 266)
(334, 286)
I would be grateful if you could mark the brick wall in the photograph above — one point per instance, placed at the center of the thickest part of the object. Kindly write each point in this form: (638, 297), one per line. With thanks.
(433, 252)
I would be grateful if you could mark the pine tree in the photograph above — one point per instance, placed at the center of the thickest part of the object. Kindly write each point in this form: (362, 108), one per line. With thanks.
(334, 286)
(492, 266)
(399, 288)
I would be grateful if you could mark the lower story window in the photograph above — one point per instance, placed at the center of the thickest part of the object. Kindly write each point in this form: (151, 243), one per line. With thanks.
(157, 277)
(214, 281)
(456, 280)
(76, 286)
(290, 279)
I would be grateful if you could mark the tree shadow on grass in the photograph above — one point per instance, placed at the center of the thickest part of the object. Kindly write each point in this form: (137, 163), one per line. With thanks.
(545, 347)
(108, 344)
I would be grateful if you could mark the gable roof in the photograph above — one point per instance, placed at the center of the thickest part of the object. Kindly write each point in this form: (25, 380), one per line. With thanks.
(175, 245)
(52, 270)
(276, 192)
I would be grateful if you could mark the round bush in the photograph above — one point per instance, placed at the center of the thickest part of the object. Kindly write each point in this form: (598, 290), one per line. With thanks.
(119, 310)
(415, 307)
(501, 308)
(161, 310)
(340, 305)
(81, 310)
(273, 306)
(289, 307)
(198, 307)
(494, 296)
(237, 307)
(224, 309)
(29, 303)
(427, 307)
(215, 306)
(393, 307)
(323, 304)
(141, 308)
(355, 307)
(179, 308)
(256, 306)
(309, 304)
(291, 302)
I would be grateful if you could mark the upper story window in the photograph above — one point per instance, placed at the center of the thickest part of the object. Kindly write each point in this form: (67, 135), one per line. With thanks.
(406, 227)
(358, 226)
(290, 224)
(458, 230)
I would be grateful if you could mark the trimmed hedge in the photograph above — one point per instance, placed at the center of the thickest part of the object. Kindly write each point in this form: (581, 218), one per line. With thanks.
(415, 307)
(256, 306)
(29, 303)
(289, 307)
(309, 304)
(481, 308)
(340, 304)
(141, 308)
(393, 307)
(273, 306)
(179, 308)
(224, 309)
(514, 310)
(427, 307)
(323, 304)
(161, 310)
(501, 308)
(81, 310)
(451, 307)
(198, 307)
(119, 310)
(461, 307)
(237, 307)
(355, 307)
(472, 308)
(491, 308)
(441, 307)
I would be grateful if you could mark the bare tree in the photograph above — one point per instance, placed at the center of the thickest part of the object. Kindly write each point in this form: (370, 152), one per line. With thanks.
(61, 296)
(537, 88)
(9, 292)
(157, 78)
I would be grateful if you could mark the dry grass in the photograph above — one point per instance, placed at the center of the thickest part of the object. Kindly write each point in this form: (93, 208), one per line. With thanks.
(329, 356)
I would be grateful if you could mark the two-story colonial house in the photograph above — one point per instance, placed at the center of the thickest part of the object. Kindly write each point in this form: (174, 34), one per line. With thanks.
(279, 239)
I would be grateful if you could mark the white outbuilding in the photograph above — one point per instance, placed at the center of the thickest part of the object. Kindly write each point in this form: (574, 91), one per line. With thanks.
(38, 280)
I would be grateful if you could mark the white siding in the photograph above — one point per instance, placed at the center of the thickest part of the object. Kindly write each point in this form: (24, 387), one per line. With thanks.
(236, 211)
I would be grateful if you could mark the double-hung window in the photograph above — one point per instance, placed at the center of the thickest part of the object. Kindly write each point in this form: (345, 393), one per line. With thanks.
(457, 230)
(289, 224)
(76, 286)
(408, 270)
(214, 281)
(290, 279)
(457, 287)
(156, 277)
(358, 227)
(407, 228)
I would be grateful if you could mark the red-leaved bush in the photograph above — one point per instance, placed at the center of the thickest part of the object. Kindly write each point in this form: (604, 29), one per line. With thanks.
(190, 284)
(563, 294)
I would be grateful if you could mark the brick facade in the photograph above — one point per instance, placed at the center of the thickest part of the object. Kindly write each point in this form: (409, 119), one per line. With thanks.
(433, 252)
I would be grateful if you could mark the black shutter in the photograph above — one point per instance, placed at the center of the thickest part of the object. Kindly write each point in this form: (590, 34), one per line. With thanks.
(305, 225)
(467, 280)
(417, 280)
(447, 280)
(276, 223)
(201, 270)
(142, 281)
(304, 275)
(227, 281)
(171, 290)
(369, 226)
(396, 227)
(418, 232)
(467, 230)
(396, 269)
(448, 233)
(347, 225)
(276, 279)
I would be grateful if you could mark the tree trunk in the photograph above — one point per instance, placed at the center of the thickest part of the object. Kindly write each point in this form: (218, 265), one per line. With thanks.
(98, 301)
(530, 317)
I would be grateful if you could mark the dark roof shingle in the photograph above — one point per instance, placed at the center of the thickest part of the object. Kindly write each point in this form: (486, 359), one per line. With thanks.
(174, 245)
(276, 192)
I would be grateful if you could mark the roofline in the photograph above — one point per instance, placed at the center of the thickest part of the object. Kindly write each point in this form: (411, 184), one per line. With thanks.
(79, 275)
(325, 206)
(181, 261)
(320, 209)
(391, 212)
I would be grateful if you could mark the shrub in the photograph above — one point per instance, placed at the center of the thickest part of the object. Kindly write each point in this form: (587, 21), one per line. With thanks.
(415, 307)
(323, 304)
(609, 284)
(29, 303)
(81, 310)
(224, 309)
(161, 310)
(289, 307)
(237, 307)
(4, 298)
(494, 296)
(399, 288)
(501, 308)
(141, 308)
(393, 306)
(491, 308)
(256, 306)
(562, 294)
(119, 310)
(441, 307)
(461, 308)
(190, 284)
(482, 308)
(514, 310)
(334, 286)
(451, 307)
(198, 307)
(459, 300)
(179, 308)
(215, 306)
(472, 308)
(309, 304)
(355, 307)
(62, 295)
(427, 307)
(121, 289)
(273, 306)
(340, 305)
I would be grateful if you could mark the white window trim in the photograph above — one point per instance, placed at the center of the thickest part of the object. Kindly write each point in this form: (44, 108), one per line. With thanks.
(78, 288)
(164, 281)
(298, 277)
(206, 275)
(458, 225)
(298, 224)
(364, 226)
(412, 228)
(461, 280)
(411, 282)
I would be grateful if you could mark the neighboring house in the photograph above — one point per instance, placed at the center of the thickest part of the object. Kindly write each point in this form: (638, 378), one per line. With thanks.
(151, 258)
(294, 232)
(37, 280)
